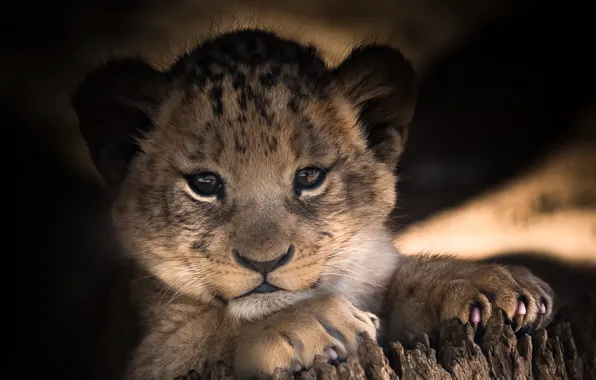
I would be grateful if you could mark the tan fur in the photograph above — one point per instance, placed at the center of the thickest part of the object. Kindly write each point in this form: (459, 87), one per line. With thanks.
(427, 290)
(285, 114)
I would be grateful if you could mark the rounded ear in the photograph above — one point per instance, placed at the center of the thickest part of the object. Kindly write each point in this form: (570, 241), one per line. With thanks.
(383, 85)
(116, 105)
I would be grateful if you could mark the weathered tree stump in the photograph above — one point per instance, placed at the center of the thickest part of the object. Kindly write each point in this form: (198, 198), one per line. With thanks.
(565, 350)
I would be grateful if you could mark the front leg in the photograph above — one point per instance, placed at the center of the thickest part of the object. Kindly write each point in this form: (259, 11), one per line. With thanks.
(186, 337)
(290, 339)
(427, 290)
(180, 337)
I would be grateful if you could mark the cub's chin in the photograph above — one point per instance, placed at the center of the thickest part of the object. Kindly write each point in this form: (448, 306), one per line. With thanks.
(258, 305)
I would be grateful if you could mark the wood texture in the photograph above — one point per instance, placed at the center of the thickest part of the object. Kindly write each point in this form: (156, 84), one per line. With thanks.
(564, 350)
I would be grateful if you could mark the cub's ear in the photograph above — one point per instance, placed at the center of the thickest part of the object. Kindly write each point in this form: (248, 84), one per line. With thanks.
(383, 85)
(115, 105)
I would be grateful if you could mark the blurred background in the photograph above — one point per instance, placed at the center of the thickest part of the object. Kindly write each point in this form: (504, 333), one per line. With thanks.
(500, 164)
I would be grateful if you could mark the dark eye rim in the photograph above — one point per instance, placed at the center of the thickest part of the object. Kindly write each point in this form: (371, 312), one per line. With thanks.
(299, 188)
(218, 192)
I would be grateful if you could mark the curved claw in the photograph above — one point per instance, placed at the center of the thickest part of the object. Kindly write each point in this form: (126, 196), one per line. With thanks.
(520, 314)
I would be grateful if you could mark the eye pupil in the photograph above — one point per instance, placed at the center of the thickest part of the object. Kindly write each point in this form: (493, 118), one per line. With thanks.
(206, 184)
(308, 178)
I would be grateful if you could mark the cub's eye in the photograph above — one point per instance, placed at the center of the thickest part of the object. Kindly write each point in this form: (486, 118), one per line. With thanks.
(308, 178)
(205, 184)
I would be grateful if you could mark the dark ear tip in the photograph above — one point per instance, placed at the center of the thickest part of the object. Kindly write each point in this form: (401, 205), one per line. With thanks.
(114, 104)
(386, 56)
(378, 51)
(104, 89)
(113, 74)
(385, 63)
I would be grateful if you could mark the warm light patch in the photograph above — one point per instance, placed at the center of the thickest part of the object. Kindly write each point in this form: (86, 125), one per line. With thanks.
(551, 210)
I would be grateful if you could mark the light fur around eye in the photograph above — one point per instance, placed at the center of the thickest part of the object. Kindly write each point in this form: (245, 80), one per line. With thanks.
(317, 190)
(309, 180)
(197, 196)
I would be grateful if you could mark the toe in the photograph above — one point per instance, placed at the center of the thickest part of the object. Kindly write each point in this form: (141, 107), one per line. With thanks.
(462, 300)
(538, 295)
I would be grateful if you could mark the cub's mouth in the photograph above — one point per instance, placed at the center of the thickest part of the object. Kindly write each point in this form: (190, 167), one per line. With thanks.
(266, 299)
(265, 287)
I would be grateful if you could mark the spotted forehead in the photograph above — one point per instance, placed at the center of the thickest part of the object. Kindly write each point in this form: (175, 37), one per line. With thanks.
(245, 135)
(256, 72)
(271, 57)
(256, 95)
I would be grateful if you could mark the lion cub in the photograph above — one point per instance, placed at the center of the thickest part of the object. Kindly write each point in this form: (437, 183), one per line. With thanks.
(252, 185)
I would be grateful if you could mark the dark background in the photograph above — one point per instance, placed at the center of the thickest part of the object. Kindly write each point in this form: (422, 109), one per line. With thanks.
(495, 98)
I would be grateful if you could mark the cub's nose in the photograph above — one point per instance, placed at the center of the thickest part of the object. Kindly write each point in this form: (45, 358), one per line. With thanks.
(264, 267)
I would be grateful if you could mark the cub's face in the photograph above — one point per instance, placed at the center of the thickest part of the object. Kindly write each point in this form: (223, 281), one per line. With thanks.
(260, 177)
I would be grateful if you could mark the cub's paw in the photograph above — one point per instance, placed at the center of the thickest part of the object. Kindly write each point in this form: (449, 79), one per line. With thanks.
(526, 300)
(328, 326)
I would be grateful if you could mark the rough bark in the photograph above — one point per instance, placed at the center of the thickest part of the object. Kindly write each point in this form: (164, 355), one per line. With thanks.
(564, 350)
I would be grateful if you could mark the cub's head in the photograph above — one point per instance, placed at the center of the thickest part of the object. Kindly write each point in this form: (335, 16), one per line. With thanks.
(250, 173)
